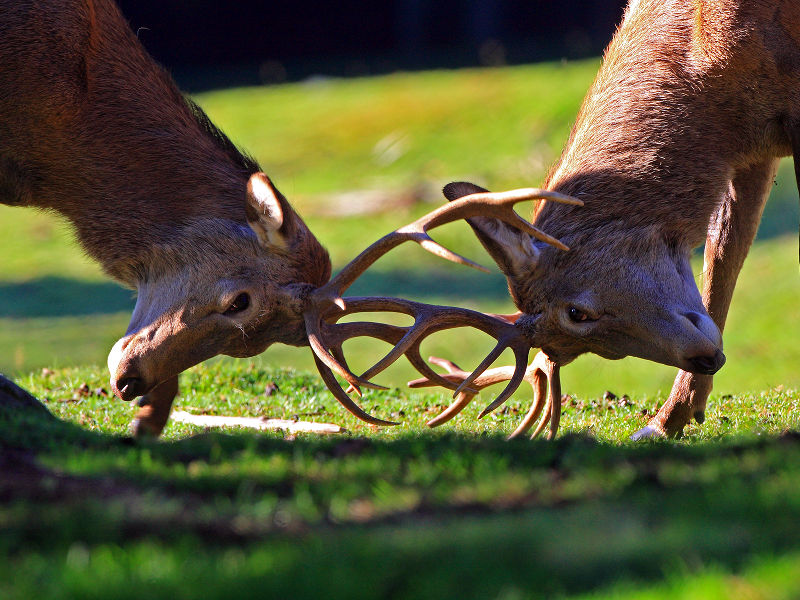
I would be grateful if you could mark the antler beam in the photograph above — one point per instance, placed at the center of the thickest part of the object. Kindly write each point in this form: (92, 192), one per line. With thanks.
(539, 373)
(325, 305)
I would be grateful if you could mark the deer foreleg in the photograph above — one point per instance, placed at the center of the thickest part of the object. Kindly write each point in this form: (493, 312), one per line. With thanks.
(731, 232)
(154, 409)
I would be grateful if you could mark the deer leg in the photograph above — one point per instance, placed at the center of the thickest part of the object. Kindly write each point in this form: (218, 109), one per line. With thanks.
(154, 409)
(731, 232)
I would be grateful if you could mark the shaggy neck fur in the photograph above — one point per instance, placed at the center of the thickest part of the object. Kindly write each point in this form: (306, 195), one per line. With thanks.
(669, 119)
(92, 128)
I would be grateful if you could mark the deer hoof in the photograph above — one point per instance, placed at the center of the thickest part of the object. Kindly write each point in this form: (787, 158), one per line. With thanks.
(139, 430)
(142, 429)
(648, 433)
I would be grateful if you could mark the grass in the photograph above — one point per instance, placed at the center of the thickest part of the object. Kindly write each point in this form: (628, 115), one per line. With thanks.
(397, 512)
(500, 126)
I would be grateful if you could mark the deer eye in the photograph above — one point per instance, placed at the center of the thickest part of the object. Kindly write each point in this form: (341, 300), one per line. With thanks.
(241, 303)
(576, 315)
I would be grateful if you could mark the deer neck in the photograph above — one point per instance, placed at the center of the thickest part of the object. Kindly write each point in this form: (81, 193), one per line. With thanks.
(108, 141)
(668, 120)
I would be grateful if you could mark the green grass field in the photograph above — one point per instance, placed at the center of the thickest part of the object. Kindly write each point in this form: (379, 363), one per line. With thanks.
(322, 138)
(402, 512)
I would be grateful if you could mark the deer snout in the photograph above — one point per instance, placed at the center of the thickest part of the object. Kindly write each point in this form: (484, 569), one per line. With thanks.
(707, 357)
(129, 388)
(707, 365)
(127, 381)
(707, 327)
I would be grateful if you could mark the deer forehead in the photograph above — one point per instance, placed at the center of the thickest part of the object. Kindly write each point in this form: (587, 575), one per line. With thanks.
(211, 250)
(608, 274)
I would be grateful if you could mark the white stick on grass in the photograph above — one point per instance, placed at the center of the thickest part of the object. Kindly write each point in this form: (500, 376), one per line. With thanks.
(260, 423)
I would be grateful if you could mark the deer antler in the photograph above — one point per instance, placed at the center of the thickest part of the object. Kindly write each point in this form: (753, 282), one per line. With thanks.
(325, 305)
(541, 371)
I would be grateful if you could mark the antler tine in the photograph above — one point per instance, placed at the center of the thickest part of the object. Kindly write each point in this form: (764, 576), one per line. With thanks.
(330, 381)
(541, 371)
(451, 411)
(513, 385)
(390, 334)
(488, 378)
(320, 301)
(413, 356)
(484, 204)
(500, 205)
(538, 383)
(321, 353)
(554, 378)
(429, 319)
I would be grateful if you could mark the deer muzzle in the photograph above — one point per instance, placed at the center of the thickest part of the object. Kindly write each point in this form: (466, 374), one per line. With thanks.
(707, 365)
(705, 355)
(126, 382)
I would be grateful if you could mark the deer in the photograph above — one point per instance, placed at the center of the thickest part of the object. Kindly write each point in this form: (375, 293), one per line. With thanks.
(91, 128)
(676, 143)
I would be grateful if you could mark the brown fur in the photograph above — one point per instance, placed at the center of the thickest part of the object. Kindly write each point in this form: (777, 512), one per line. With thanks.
(92, 128)
(693, 105)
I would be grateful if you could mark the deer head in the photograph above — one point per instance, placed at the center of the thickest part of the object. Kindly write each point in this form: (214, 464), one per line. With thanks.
(224, 288)
(680, 103)
(617, 292)
(220, 287)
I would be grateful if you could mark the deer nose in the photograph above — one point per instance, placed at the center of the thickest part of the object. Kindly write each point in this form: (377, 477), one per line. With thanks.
(706, 326)
(128, 388)
(707, 365)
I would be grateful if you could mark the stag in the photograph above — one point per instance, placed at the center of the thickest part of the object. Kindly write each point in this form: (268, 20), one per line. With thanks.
(677, 143)
(93, 129)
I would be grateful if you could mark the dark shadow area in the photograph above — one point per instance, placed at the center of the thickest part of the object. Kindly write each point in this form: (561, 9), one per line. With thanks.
(13, 397)
(594, 514)
(424, 285)
(58, 297)
(208, 44)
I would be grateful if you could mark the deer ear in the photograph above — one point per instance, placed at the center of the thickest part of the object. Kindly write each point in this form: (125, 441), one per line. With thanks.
(513, 250)
(268, 213)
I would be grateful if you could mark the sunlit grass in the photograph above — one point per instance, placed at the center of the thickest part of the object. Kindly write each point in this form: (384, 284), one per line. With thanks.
(501, 126)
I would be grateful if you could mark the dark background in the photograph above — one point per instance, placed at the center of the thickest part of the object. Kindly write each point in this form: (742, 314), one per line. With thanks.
(210, 43)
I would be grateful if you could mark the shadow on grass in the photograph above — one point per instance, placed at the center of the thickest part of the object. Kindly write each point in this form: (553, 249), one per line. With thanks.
(439, 515)
(58, 296)
(426, 285)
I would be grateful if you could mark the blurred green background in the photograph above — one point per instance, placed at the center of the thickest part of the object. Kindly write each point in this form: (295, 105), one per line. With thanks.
(360, 157)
